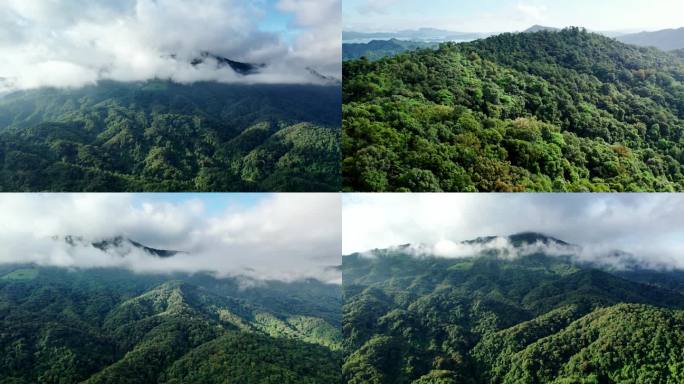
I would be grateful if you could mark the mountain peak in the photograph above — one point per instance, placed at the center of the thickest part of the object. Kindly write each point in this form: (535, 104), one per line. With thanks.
(519, 239)
(533, 237)
(239, 67)
(327, 79)
(540, 28)
(119, 245)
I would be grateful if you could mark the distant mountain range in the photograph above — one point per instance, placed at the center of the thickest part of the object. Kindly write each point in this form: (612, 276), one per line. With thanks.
(667, 39)
(377, 49)
(422, 34)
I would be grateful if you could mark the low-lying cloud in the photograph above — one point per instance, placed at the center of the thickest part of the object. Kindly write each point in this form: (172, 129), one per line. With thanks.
(609, 230)
(71, 43)
(283, 236)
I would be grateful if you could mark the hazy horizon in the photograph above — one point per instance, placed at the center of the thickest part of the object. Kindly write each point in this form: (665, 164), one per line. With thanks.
(496, 16)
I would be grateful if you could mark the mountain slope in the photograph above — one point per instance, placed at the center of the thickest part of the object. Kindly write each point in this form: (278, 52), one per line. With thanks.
(667, 39)
(113, 326)
(493, 318)
(250, 358)
(545, 111)
(618, 344)
(161, 136)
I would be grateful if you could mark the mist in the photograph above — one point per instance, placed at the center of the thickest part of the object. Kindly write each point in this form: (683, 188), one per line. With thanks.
(284, 237)
(608, 230)
(72, 43)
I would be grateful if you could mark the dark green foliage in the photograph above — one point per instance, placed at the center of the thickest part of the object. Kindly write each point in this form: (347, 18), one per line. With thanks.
(114, 326)
(161, 136)
(377, 49)
(244, 358)
(546, 111)
(490, 319)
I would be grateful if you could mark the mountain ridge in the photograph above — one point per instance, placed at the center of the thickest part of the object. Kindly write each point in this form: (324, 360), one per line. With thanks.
(119, 326)
(117, 244)
(666, 39)
(488, 320)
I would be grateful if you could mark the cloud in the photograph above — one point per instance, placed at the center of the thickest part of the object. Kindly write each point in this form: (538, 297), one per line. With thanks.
(647, 228)
(321, 41)
(283, 236)
(376, 6)
(71, 43)
(529, 12)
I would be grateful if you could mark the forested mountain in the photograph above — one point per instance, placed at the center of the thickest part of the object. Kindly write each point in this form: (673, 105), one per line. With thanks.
(494, 317)
(377, 49)
(163, 136)
(115, 326)
(666, 39)
(544, 111)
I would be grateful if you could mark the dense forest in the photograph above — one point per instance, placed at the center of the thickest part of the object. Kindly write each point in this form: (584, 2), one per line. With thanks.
(162, 136)
(545, 111)
(115, 326)
(491, 318)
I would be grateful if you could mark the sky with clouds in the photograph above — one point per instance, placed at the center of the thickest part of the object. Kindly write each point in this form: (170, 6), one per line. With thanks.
(261, 236)
(70, 43)
(511, 15)
(649, 226)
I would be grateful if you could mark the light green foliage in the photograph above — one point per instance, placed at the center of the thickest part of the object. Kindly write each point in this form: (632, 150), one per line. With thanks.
(547, 111)
(21, 274)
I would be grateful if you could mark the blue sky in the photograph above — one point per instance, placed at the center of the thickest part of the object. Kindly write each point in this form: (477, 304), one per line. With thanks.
(214, 203)
(275, 20)
(511, 15)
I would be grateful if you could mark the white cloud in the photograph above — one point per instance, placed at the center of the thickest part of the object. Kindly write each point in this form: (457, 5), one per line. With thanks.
(647, 226)
(142, 39)
(512, 15)
(376, 6)
(284, 236)
(530, 12)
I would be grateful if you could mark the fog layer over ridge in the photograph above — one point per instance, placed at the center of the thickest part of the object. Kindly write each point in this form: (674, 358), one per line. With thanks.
(282, 236)
(70, 43)
(620, 231)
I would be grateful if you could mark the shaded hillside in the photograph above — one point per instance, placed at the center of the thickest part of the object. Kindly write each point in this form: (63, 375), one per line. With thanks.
(161, 136)
(113, 326)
